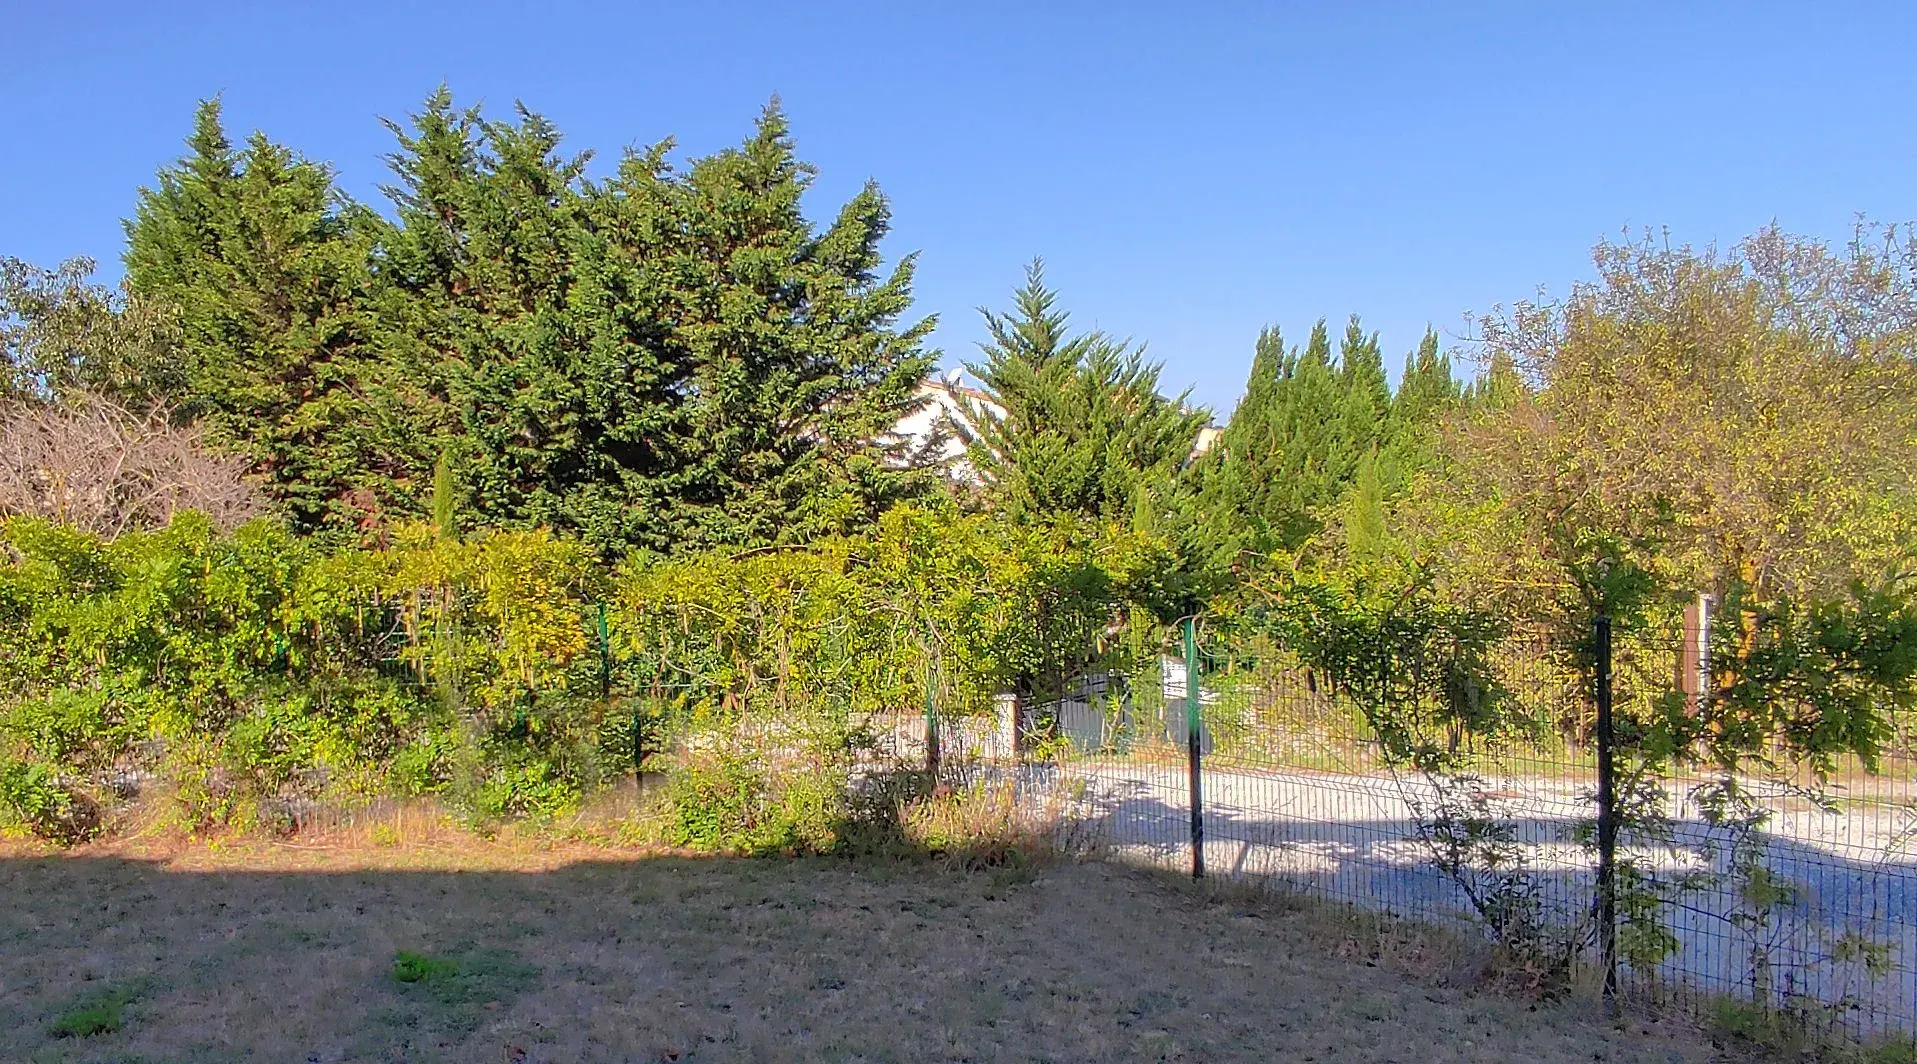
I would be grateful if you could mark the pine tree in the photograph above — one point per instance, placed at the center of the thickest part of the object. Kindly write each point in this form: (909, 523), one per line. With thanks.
(1075, 424)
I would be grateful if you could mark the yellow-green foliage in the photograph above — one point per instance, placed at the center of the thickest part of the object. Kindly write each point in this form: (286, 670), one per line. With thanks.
(253, 673)
(776, 662)
(254, 666)
(859, 625)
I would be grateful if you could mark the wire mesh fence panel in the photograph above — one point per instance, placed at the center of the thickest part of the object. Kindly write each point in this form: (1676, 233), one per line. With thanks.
(1774, 884)
(1455, 783)
(1125, 779)
(1791, 893)
(1306, 794)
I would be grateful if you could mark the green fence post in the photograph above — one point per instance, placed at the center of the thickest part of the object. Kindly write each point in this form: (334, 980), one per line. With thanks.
(931, 722)
(1194, 753)
(605, 654)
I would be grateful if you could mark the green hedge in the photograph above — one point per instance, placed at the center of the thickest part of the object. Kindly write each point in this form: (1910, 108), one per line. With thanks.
(253, 675)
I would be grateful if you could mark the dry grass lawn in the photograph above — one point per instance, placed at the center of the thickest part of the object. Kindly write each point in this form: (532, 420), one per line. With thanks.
(277, 953)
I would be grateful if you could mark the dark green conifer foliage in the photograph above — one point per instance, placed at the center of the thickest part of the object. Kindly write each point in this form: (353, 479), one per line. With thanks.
(1281, 456)
(1427, 395)
(268, 268)
(481, 264)
(1313, 442)
(658, 361)
(1075, 424)
(799, 364)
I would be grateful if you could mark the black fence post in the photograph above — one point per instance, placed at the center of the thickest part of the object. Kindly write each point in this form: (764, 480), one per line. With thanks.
(1606, 817)
(1194, 751)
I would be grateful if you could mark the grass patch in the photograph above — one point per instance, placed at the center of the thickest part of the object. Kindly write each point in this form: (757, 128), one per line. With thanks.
(451, 991)
(97, 1012)
(410, 967)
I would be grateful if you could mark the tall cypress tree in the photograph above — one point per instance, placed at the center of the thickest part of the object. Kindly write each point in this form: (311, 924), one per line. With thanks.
(1284, 456)
(664, 360)
(1367, 398)
(1427, 387)
(268, 267)
(1427, 394)
(481, 263)
(1313, 442)
(1497, 387)
(1075, 423)
(801, 362)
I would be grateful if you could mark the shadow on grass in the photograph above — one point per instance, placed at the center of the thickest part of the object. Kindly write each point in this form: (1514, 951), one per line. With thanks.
(281, 953)
(461, 949)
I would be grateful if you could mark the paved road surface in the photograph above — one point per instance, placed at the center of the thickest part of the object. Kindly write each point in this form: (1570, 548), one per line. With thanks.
(1357, 839)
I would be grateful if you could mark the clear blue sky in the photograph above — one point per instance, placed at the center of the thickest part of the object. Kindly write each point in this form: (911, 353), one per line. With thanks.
(1190, 173)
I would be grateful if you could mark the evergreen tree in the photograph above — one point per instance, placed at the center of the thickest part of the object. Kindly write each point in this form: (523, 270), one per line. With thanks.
(1074, 424)
(481, 264)
(1313, 442)
(267, 266)
(1367, 397)
(1427, 389)
(1285, 455)
(800, 366)
(661, 361)
(1427, 394)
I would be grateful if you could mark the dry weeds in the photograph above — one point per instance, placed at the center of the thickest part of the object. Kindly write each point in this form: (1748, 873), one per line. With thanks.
(285, 953)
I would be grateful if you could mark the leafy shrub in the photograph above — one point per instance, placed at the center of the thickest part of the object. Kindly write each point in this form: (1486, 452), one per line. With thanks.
(731, 803)
(269, 672)
(255, 674)
(35, 796)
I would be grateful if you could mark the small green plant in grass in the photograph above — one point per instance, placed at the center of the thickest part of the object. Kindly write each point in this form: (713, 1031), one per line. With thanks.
(410, 967)
(450, 991)
(1780, 1032)
(101, 1011)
